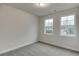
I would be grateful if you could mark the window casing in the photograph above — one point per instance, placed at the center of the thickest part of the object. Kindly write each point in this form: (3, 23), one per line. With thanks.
(48, 27)
(68, 25)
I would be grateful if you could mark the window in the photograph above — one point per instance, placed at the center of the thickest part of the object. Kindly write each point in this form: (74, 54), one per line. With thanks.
(68, 26)
(48, 26)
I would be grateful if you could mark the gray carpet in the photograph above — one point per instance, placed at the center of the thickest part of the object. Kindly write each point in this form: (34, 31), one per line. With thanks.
(40, 49)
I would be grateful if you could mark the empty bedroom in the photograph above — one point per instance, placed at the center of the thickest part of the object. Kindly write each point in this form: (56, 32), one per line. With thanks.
(39, 29)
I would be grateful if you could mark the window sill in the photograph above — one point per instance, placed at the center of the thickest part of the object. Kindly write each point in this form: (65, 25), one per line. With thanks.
(68, 35)
(47, 33)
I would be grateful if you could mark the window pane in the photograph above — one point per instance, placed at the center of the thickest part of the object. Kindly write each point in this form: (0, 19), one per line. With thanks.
(63, 20)
(67, 25)
(46, 22)
(71, 20)
(48, 26)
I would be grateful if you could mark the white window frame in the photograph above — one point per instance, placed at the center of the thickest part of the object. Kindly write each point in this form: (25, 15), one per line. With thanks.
(73, 35)
(45, 28)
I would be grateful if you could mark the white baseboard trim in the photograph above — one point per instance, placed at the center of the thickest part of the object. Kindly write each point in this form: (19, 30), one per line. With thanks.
(60, 46)
(14, 48)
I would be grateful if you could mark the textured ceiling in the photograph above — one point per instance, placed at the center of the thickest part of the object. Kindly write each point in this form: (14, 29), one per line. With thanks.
(41, 11)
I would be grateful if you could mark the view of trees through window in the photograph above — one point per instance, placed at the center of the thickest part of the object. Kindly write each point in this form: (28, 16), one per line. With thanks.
(68, 25)
(49, 26)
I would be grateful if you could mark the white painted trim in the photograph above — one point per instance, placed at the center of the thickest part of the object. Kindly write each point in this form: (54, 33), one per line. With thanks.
(70, 35)
(7, 50)
(76, 50)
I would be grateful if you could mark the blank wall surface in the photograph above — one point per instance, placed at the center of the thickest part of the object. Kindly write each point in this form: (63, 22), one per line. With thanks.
(17, 28)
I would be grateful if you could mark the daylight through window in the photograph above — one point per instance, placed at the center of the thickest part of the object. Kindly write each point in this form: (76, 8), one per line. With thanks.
(68, 25)
(48, 26)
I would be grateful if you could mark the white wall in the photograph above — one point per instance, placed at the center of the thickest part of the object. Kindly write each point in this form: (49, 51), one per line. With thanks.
(55, 38)
(17, 28)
